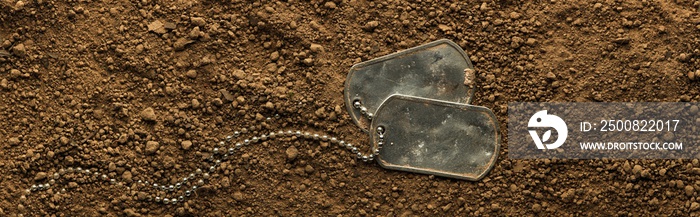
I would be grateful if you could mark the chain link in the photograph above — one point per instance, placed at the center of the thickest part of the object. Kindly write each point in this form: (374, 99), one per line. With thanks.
(171, 194)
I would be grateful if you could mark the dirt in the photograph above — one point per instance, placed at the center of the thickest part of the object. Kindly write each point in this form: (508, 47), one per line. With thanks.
(144, 89)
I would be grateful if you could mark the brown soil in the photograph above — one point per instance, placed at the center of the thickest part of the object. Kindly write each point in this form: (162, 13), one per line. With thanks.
(77, 76)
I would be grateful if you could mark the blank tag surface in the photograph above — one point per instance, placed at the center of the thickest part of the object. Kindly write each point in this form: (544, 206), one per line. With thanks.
(435, 70)
(436, 137)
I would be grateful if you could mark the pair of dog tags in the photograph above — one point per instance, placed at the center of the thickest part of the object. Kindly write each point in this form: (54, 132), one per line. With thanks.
(418, 100)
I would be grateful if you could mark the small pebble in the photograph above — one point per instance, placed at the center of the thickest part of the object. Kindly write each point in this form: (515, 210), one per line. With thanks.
(689, 190)
(274, 56)
(551, 76)
(40, 176)
(19, 50)
(127, 176)
(292, 153)
(152, 147)
(371, 25)
(330, 5)
(692, 75)
(148, 114)
(514, 15)
(198, 21)
(181, 43)
(191, 73)
(238, 196)
(308, 169)
(316, 48)
(195, 103)
(637, 169)
(187, 144)
(13, 141)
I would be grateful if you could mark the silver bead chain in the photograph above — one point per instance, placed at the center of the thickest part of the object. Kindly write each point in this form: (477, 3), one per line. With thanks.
(357, 104)
(171, 194)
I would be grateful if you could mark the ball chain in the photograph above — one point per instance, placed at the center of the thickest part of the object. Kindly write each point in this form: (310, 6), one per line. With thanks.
(219, 155)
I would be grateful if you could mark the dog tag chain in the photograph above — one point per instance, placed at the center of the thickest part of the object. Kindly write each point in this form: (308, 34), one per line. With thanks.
(413, 104)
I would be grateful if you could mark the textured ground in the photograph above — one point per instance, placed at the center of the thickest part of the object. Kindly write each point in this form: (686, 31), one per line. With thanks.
(77, 79)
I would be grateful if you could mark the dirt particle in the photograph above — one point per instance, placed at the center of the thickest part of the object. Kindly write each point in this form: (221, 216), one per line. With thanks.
(483, 7)
(269, 106)
(308, 61)
(228, 97)
(309, 169)
(13, 141)
(551, 76)
(531, 41)
(127, 176)
(292, 153)
(514, 15)
(330, 5)
(694, 206)
(683, 57)
(444, 28)
(689, 190)
(198, 21)
(597, 5)
(170, 25)
(274, 56)
(187, 144)
(371, 25)
(123, 138)
(637, 169)
(195, 103)
(15, 73)
(131, 213)
(238, 74)
(157, 27)
(238, 196)
(194, 33)
(19, 50)
(516, 42)
(217, 102)
(622, 41)
(64, 140)
(191, 73)
(536, 207)
(181, 43)
(152, 147)
(316, 48)
(4, 84)
(148, 114)
(40, 176)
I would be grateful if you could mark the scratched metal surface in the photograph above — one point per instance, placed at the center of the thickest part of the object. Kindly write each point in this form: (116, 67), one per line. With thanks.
(437, 137)
(434, 70)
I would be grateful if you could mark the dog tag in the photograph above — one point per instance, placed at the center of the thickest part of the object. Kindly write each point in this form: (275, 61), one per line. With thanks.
(436, 70)
(436, 137)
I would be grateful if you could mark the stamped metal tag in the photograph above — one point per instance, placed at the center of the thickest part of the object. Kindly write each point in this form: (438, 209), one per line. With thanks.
(436, 137)
(435, 70)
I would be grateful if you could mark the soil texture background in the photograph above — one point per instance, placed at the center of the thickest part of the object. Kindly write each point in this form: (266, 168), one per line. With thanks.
(145, 89)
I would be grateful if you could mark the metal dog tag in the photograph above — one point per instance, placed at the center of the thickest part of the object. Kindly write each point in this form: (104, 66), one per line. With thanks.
(435, 70)
(436, 137)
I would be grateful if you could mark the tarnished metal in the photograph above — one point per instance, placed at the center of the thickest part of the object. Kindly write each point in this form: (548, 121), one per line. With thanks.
(435, 70)
(436, 137)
